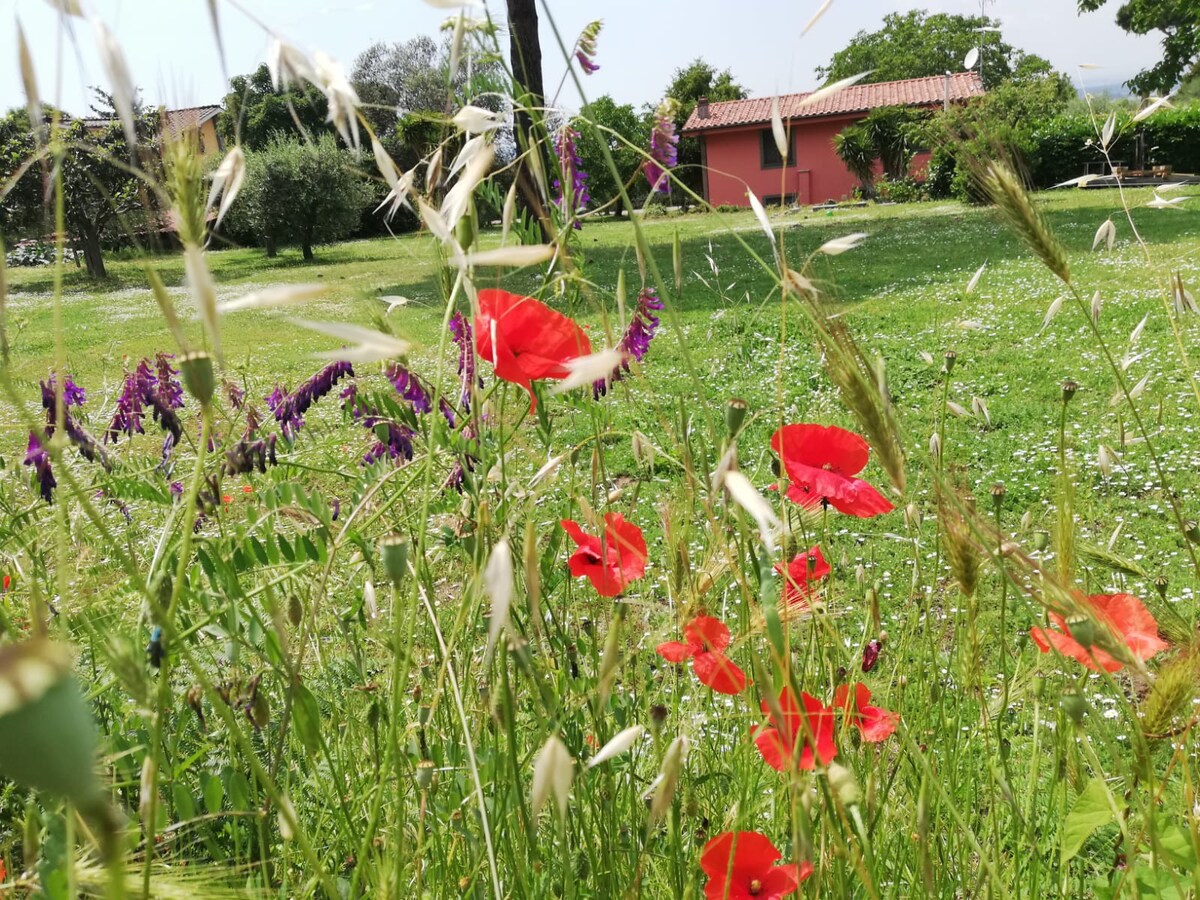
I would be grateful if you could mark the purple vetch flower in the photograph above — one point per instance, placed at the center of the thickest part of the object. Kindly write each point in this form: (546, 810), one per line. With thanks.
(167, 386)
(248, 456)
(235, 394)
(663, 151)
(409, 387)
(37, 457)
(89, 448)
(175, 490)
(466, 461)
(289, 410)
(396, 443)
(335, 510)
(635, 342)
(73, 394)
(585, 47)
(103, 495)
(570, 170)
(460, 330)
(349, 398)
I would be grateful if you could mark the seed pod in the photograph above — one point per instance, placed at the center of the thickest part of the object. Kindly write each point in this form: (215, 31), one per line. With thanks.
(197, 371)
(393, 549)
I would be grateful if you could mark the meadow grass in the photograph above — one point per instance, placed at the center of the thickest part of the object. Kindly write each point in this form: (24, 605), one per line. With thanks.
(407, 753)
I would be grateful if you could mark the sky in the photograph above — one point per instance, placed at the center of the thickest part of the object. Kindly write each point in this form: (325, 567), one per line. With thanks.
(173, 56)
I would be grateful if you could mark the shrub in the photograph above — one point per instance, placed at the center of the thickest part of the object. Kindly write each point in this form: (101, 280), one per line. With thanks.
(901, 190)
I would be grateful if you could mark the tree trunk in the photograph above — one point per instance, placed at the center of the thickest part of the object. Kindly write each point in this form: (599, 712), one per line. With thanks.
(525, 50)
(307, 248)
(525, 53)
(272, 250)
(93, 256)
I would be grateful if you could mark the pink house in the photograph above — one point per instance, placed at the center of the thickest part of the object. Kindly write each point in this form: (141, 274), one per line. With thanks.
(738, 151)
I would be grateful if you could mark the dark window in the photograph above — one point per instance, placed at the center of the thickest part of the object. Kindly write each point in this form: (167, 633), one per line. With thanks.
(779, 200)
(770, 153)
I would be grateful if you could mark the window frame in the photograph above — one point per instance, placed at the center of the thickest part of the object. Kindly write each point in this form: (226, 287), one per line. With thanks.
(766, 141)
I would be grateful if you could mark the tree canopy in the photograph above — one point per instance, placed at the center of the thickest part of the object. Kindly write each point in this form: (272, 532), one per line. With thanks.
(101, 187)
(303, 193)
(688, 84)
(1179, 22)
(613, 119)
(917, 44)
(254, 112)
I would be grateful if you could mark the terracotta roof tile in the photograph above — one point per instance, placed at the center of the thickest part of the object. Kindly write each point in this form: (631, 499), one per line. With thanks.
(858, 98)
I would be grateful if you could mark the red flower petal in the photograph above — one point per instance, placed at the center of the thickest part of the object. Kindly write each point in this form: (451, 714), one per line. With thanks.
(821, 462)
(821, 447)
(775, 752)
(804, 568)
(610, 564)
(751, 873)
(706, 633)
(674, 652)
(1123, 614)
(719, 672)
(532, 341)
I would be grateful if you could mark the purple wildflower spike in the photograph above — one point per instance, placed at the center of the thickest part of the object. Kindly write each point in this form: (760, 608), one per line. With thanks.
(461, 331)
(289, 410)
(235, 395)
(635, 342)
(37, 457)
(663, 151)
(585, 47)
(570, 170)
(409, 387)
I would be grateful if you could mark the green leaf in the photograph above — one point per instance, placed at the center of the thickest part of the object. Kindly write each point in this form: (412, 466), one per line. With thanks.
(1090, 812)
(214, 793)
(306, 716)
(1176, 844)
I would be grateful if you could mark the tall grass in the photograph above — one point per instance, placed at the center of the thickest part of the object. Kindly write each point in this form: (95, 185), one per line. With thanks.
(313, 676)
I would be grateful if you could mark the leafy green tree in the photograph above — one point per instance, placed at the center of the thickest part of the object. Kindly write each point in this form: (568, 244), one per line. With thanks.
(104, 186)
(255, 113)
(1179, 21)
(302, 193)
(918, 45)
(688, 84)
(619, 123)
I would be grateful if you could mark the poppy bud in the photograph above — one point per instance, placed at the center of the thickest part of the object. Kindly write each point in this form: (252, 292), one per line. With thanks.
(197, 371)
(871, 655)
(658, 715)
(998, 492)
(394, 551)
(424, 774)
(1160, 585)
(951, 356)
(1041, 540)
(423, 715)
(259, 710)
(1074, 706)
(1068, 390)
(1082, 629)
(735, 415)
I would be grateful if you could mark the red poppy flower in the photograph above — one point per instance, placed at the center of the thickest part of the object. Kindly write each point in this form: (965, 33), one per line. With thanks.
(532, 341)
(805, 567)
(875, 724)
(1125, 617)
(821, 462)
(707, 639)
(813, 727)
(610, 564)
(7, 583)
(741, 866)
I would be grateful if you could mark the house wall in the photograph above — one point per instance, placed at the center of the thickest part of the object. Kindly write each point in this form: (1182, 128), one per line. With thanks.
(814, 172)
(210, 143)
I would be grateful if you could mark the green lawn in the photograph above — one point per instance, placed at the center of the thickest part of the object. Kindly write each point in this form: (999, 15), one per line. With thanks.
(970, 797)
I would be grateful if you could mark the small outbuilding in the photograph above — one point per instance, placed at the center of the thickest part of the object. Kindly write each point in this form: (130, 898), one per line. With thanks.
(738, 150)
